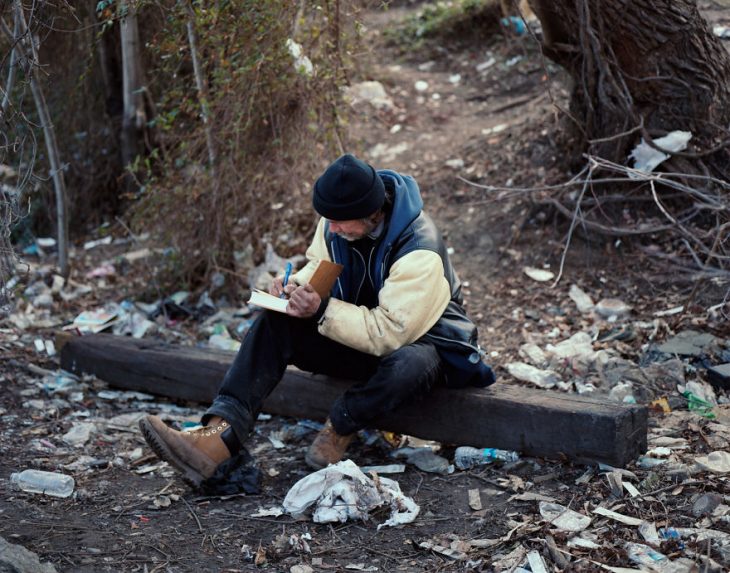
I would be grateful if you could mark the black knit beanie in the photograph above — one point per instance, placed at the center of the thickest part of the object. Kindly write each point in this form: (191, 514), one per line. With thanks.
(348, 189)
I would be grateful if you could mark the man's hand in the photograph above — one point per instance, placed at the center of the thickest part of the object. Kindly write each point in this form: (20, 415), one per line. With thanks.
(277, 287)
(303, 302)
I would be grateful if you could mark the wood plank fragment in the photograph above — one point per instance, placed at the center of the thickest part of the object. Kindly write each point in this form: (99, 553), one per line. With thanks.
(532, 421)
(475, 500)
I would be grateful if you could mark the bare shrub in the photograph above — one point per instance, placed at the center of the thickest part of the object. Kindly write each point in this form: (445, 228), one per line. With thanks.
(273, 122)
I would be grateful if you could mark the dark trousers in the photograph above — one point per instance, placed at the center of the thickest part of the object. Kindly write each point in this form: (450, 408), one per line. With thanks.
(277, 340)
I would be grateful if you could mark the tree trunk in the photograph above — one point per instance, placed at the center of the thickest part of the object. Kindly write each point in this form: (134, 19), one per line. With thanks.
(134, 118)
(202, 87)
(31, 65)
(646, 67)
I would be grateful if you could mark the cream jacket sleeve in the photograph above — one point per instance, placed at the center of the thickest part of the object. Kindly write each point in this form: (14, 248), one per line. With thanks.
(316, 252)
(413, 298)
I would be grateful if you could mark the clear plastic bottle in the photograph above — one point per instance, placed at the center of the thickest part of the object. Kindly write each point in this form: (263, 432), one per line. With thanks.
(466, 457)
(49, 483)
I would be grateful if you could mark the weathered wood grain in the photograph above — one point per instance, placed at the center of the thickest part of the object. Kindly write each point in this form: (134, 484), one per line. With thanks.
(532, 421)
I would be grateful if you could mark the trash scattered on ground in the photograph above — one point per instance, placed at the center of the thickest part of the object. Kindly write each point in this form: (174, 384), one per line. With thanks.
(370, 92)
(647, 158)
(563, 518)
(466, 457)
(721, 31)
(42, 482)
(424, 459)
(540, 275)
(342, 492)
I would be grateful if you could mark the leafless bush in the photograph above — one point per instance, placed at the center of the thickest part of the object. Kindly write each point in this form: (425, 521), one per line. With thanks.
(273, 122)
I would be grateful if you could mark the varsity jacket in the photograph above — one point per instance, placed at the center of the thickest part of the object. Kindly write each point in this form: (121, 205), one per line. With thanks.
(418, 292)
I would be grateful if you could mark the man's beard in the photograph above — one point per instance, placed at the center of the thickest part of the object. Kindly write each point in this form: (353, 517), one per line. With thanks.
(351, 238)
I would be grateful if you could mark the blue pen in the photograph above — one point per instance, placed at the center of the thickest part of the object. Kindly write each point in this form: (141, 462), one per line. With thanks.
(287, 272)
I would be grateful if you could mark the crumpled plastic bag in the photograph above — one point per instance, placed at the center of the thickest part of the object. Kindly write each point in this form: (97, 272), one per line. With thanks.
(715, 462)
(342, 491)
(646, 158)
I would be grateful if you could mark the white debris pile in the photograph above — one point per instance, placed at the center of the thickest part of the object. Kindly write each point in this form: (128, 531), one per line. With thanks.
(342, 492)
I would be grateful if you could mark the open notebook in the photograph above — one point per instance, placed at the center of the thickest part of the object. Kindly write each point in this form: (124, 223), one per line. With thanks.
(322, 280)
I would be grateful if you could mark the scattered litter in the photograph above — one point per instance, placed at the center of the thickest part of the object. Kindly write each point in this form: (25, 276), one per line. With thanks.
(617, 516)
(389, 469)
(514, 24)
(421, 86)
(341, 492)
(388, 153)
(583, 541)
(715, 462)
(612, 307)
(275, 511)
(302, 64)
(699, 406)
(42, 482)
(578, 345)
(453, 553)
(93, 321)
(88, 245)
(102, 271)
(455, 163)
(563, 518)
(659, 452)
(646, 556)
(536, 376)
(648, 531)
(496, 129)
(370, 92)
(79, 434)
(669, 311)
(721, 31)
(690, 343)
(425, 459)
(537, 564)
(646, 158)
(466, 457)
(484, 66)
(706, 504)
(582, 301)
(631, 488)
(539, 275)
(530, 496)
(360, 567)
(475, 500)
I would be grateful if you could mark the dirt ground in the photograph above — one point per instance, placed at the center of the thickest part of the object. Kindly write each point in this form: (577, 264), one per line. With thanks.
(496, 127)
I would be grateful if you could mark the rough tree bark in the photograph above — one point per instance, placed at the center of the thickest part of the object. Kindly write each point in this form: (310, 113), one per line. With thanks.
(134, 118)
(27, 49)
(644, 66)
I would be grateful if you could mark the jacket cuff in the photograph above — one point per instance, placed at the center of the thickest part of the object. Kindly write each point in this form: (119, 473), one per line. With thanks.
(322, 308)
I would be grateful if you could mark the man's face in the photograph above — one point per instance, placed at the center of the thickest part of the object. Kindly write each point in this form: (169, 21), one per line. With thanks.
(352, 230)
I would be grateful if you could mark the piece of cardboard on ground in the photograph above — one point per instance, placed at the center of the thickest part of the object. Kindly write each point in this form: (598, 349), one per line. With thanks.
(534, 422)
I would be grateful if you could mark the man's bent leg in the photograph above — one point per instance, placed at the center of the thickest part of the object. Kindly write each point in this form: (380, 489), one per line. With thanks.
(401, 377)
(258, 367)
(404, 375)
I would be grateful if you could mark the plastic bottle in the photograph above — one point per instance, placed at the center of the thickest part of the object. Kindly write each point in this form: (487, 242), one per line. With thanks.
(466, 457)
(49, 483)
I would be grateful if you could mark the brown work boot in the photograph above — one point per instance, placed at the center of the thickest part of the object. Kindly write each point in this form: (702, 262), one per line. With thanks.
(328, 447)
(196, 453)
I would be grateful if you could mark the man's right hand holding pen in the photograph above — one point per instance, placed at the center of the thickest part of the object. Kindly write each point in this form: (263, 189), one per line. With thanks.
(278, 289)
(304, 302)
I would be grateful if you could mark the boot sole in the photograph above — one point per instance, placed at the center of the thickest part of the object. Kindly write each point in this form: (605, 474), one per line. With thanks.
(189, 474)
(314, 464)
